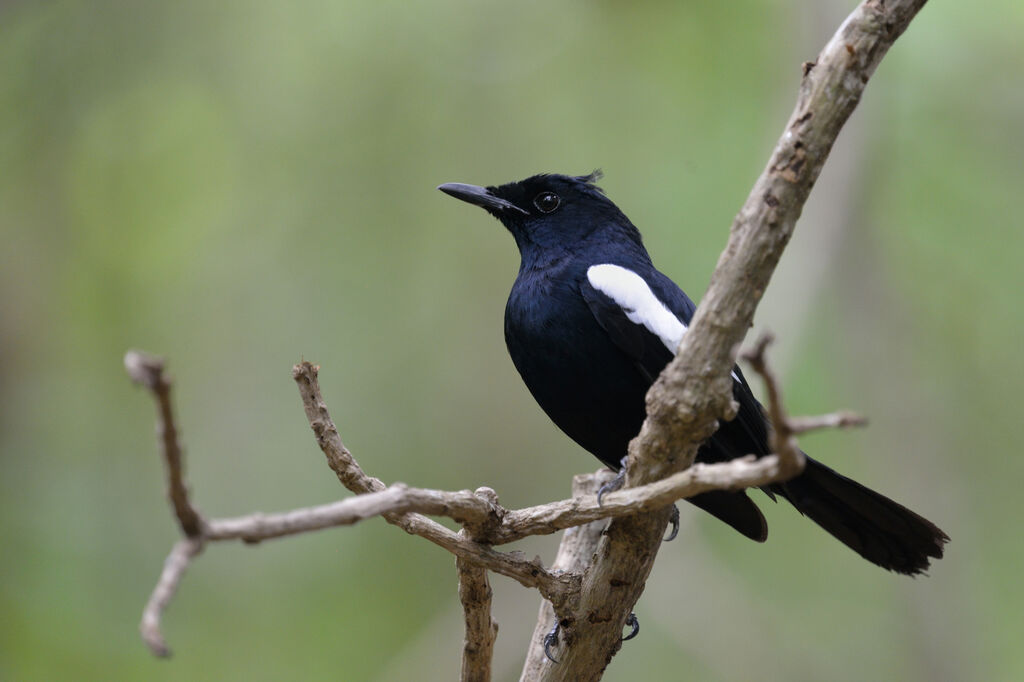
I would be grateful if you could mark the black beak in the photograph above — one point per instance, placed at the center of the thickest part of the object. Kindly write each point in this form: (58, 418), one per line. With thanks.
(478, 196)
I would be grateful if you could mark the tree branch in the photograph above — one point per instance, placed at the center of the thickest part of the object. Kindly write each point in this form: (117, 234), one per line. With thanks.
(693, 392)
(475, 596)
(402, 501)
(529, 573)
(785, 429)
(485, 523)
(148, 370)
(575, 553)
(481, 631)
(474, 510)
(182, 554)
(398, 499)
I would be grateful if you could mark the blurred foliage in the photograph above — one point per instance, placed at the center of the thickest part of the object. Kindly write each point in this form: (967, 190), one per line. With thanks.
(240, 185)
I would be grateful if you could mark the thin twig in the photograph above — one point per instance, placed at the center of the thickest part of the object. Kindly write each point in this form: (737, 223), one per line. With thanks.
(529, 573)
(835, 420)
(341, 461)
(148, 370)
(460, 506)
(175, 565)
(785, 428)
(781, 437)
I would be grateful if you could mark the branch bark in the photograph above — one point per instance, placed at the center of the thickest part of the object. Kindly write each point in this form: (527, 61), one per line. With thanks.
(575, 553)
(481, 630)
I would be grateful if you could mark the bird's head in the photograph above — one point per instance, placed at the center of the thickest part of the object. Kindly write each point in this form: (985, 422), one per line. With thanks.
(548, 213)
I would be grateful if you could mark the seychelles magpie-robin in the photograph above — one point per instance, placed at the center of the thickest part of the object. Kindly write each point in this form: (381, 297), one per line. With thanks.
(590, 323)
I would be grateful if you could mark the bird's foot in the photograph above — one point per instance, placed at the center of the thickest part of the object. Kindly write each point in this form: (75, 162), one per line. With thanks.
(632, 622)
(614, 484)
(551, 640)
(674, 520)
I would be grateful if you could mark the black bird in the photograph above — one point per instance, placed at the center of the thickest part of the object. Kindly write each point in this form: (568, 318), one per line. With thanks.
(590, 323)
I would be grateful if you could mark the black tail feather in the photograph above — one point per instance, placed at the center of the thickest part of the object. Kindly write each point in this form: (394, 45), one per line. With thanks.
(882, 531)
(736, 509)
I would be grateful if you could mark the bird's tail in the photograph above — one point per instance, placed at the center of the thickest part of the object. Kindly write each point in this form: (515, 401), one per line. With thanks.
(882, 531)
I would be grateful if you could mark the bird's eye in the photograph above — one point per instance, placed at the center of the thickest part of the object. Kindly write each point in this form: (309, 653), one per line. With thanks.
(546, 202)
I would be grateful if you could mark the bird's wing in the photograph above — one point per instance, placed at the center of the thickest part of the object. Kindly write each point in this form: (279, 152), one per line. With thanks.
(634, 318)
(646, 316)
(648, 327)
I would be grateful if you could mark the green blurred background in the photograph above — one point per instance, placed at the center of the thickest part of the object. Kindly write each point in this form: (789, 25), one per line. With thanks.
(241, 185)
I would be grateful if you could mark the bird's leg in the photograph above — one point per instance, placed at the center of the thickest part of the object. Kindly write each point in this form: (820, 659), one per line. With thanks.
(614, 484)
(632, 622)
(617, 483)
(550, 640)
(674, 520)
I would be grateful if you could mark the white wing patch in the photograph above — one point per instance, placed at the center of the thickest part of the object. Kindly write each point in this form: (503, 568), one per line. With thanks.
(631, 293)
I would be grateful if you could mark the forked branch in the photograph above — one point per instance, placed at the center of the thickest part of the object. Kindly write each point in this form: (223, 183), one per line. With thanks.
(694, 391)
(485, 522)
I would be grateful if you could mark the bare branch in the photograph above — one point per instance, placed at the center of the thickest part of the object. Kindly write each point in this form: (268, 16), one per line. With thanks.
(694, 391)
(175, 565)
(148, 370)
(529, 573)
(478, 511)
(745, 472)
(544, 519)
(781, 437)
(575, 553)
(348, 471)
(509, 526)
(481, 630)
(784, 428)
(475, 596)
(462, 506)
(339, 458)
(835, 420)
(475, 510)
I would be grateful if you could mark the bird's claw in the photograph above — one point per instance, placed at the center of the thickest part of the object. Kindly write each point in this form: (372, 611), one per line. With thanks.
(550, 640)
(633, 623)
(674, 520)
(614, 484)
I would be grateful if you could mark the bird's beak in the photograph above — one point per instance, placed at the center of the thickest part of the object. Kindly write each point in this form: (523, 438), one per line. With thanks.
(478, 196)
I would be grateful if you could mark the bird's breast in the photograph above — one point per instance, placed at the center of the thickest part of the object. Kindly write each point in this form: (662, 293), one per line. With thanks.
(579, 377)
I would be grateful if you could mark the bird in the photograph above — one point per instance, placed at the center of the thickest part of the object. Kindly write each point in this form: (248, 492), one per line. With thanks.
(590, 323)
